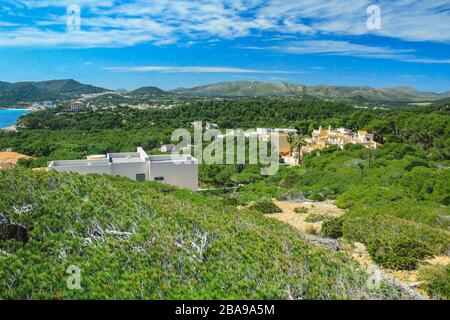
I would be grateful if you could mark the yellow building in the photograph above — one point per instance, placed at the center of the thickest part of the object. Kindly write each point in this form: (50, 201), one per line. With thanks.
(321, 139)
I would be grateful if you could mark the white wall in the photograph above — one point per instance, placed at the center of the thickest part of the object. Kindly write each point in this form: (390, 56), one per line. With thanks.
(183, 175)
(130, 170)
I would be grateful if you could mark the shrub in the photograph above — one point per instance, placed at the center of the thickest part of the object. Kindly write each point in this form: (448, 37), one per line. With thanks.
(301, 210)
(266, 207)
(400, 253)
(438, 281)
(332, 228)
(198, 249)
(230, 201)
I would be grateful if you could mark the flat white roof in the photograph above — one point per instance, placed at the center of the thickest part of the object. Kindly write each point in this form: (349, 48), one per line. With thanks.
(73, 163)
(123, 158)
(127, 160)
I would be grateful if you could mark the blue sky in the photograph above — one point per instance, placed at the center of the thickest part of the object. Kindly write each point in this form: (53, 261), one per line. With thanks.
(184, 43)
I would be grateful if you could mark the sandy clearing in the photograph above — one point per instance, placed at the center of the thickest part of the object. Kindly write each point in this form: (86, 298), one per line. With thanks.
(297, 220)
(9, 158)
(357, 251)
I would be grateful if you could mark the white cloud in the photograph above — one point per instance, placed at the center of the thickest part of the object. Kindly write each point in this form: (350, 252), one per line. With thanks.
(192, 69)
(123, 23)
(345, 48)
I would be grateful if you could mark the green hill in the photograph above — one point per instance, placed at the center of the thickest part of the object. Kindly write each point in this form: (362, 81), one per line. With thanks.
(148, 91)
(148, 241)
(264, 89)
(12, 93)
(68, 87)
(243, 89)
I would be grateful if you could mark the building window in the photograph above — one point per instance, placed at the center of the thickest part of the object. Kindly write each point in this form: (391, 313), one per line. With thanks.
(140, 177)
(159, 178)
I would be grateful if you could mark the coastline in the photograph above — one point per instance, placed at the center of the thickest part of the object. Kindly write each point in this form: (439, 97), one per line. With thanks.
(12, 115)
(10, 128)
(12, 109)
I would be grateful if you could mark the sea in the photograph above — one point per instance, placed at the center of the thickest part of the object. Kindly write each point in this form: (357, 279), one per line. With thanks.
(9, 117)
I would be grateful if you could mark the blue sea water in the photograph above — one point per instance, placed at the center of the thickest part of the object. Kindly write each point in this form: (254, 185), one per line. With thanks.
(9, 117)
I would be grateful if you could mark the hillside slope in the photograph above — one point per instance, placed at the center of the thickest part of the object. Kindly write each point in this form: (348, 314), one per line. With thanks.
(264, 89)
(148, 91)
(11, 93)
(147, 241)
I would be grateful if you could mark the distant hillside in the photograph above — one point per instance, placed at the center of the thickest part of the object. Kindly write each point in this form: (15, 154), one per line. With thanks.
(243, 88)
(148, 91)
(11, 93)
(263, 89)
(68, 87)
(3, 84)
(442, 102)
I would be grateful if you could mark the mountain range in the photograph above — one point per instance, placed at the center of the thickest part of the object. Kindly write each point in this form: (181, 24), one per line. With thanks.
(13, 93)
(264, 89)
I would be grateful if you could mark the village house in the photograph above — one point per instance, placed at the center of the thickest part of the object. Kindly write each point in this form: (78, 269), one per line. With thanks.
(76, 105)
(197, 125)
(180, 170)
(323, 138)
(48, 104)
(280, 135)
(167, 148)
(210, 126)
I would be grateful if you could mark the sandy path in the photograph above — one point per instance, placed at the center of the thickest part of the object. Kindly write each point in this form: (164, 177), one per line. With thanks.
(297, 220)
(356, 250)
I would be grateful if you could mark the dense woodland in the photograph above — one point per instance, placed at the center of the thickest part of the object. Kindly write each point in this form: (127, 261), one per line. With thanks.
(55, 133)
(396, 197)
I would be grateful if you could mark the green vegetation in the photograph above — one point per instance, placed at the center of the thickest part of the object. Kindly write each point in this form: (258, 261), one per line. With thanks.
(148, 91)
(313, 218)
(396, 197)
(12, 93)
(266, 207)
(150, 241)
(332, 228)
(301, 210)
(356, 94)
(437, 280)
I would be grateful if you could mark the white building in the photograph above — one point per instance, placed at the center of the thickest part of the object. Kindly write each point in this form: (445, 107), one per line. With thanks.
(180, 171)
(167, 148)
(48, 104)
(197, 125)
(211, 126)
(76, 105)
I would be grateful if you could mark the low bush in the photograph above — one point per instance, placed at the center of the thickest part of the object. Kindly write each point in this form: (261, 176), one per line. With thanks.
(400, 253)
(332, 228)
(312, 218)
(437, 280)
(301, 210)
(266, 207)
(390, 238)
(133, 241)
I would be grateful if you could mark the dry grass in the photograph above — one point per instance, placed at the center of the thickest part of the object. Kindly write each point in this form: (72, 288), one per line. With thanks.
(299, 222)
(9, 159)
